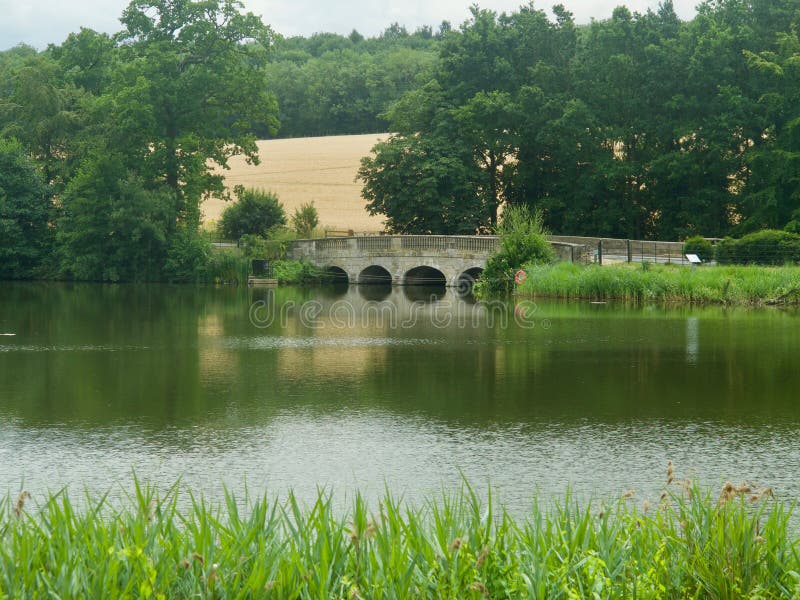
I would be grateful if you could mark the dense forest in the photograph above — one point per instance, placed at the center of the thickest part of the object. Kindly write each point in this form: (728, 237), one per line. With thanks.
(637, 126)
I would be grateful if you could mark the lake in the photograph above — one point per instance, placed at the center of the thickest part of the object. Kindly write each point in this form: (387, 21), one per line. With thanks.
(371, 388)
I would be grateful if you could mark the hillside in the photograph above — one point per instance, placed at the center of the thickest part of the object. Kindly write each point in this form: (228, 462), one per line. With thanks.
(318, 169)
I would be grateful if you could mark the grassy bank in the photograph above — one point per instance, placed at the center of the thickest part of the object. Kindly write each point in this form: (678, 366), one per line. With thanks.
(687, 545)
(738, 285)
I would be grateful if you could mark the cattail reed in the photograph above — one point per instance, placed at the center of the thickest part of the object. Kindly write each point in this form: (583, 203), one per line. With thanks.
(19, 506)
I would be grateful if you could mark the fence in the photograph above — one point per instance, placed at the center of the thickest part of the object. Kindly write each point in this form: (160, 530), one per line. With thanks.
(613, 250)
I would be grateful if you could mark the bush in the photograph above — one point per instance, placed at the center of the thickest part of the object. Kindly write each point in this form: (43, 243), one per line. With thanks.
(523, 241)
(187, 256)
(293, 271)
(227, 266)
(305, 220)
(700, 246)
(255, 212)
(767, 247)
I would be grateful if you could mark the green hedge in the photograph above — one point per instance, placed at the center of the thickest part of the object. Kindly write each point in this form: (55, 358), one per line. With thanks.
(700, 246)
(767, 247)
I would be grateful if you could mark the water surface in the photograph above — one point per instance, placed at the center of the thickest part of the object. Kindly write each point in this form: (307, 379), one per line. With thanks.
(371, 388)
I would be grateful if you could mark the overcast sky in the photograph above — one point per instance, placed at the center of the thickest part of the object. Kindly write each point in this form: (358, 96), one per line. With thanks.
(40, 22)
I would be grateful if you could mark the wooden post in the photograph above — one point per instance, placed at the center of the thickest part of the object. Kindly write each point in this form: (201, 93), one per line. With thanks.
(600, 252)
(630, 252)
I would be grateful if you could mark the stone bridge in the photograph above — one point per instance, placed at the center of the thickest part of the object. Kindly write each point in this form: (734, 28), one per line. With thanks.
(409, 259)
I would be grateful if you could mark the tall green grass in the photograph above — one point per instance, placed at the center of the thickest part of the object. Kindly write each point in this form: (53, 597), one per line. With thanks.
(688, 545)
(737, 285)
(227, 266)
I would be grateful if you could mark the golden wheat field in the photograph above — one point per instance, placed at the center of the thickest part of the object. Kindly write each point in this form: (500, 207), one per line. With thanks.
(321, 170)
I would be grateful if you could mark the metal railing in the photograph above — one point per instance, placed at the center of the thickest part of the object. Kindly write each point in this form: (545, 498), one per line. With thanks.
(613, 250)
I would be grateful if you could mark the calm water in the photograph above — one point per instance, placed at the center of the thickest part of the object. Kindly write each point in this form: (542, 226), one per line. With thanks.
(367, 388)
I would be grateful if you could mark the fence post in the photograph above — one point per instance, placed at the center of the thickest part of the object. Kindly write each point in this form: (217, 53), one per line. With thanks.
(630, 252)
(572, 254)
(600, 252)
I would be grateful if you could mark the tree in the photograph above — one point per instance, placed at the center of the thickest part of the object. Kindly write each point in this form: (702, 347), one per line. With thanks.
(255, 212)
(44, 113)
(114, 226)
(305, 220)
(422, 186)
(189, 93)
(25, 213)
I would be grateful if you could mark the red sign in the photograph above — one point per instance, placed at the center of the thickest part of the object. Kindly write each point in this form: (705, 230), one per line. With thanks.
(520, 276)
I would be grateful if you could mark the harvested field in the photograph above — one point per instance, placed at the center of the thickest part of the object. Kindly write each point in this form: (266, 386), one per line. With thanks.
(318, 169)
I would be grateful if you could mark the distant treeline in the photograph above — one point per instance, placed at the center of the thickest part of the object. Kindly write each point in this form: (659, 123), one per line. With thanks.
(637, 126)
(330, 84)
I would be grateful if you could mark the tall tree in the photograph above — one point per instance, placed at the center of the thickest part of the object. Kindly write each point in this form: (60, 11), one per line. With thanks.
(189, 91)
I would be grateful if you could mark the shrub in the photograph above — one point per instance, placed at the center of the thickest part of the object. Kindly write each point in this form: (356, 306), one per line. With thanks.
(767, 247)
(305, 220)
(187, 256)
(700, 246)
(255, 212)
(226, 266)
(292, 271)
(523, 241)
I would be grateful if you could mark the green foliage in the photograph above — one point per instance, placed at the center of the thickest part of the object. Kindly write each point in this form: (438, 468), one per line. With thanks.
(25, 213)
(227, 266)
(305, 220)
(523, 241)
(421, 186)
(331, 85)
(255, 212)
(113, 227)
(767, 247)
(638, 126)
(700, 246)
(187, 256)
(295, 272)
(736, 285)
(189, 92)
(159, 545)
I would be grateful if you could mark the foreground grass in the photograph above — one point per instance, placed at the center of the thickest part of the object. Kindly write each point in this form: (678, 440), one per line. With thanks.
(688, 545)
(740, 285)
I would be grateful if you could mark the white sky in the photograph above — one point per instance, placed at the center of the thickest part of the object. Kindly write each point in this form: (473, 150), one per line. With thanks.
(39, 22)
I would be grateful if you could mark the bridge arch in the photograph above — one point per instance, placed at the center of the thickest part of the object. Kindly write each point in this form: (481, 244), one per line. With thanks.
(424, 275)
(467, 279)
(375, 274)
(336, 274)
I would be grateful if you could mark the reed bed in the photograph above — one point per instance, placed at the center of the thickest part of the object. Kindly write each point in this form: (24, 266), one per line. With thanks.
(733, 285)
(688, 544)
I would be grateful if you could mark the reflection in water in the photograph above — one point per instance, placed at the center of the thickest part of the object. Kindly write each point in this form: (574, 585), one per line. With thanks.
(424, 293)
(376, 291)
(692, 340)
(343, 387)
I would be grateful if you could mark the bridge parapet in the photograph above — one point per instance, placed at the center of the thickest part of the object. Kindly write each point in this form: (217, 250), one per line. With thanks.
(405, 245)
